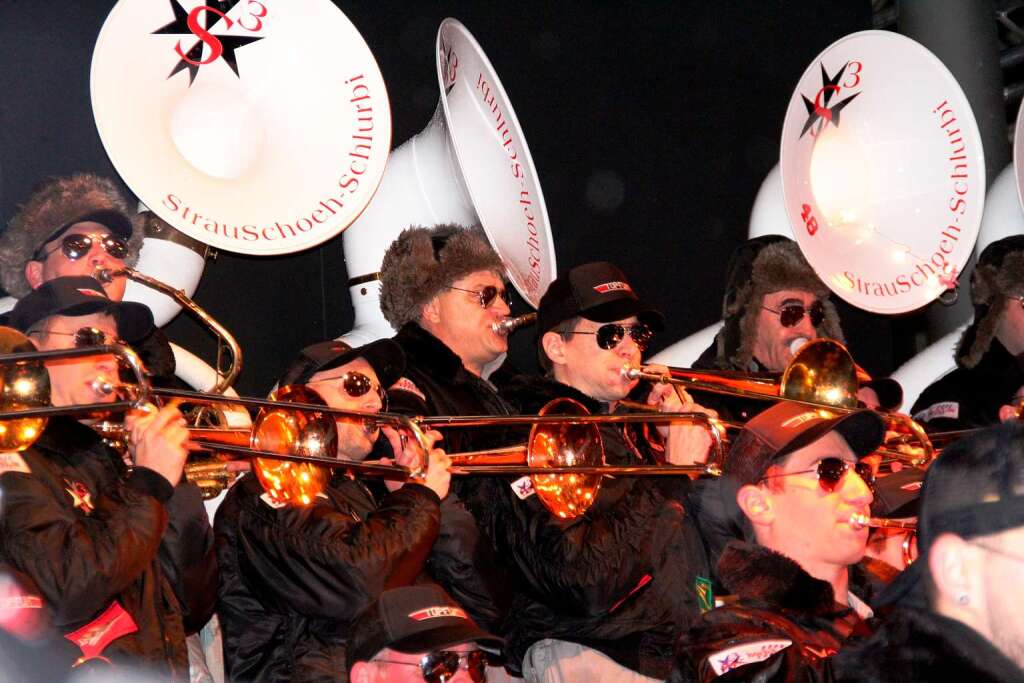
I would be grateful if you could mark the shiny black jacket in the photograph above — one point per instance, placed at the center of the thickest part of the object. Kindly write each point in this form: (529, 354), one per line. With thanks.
(90, 533)
(293, 578)
(622, 577)
(462, 561)
(971, 397)
(781, 625)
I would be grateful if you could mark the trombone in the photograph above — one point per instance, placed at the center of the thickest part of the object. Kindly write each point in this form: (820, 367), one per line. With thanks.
(821, 374)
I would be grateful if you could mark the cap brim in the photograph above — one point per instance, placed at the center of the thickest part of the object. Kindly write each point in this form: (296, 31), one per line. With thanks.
(385, 356)
(447, 636)
(134, 320)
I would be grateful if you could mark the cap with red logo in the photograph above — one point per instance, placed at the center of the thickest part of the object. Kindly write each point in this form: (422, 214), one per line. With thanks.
(597, 291)
(413, 619)
(78, 296)
(788, 426)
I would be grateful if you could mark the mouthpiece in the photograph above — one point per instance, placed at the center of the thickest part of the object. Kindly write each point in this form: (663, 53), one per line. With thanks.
(797, 344)
(103, 387)
(859, 521)
(509, 325)
(629, 372)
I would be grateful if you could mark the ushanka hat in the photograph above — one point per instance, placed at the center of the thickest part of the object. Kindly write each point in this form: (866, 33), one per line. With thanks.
(423, 261)
(56, 206)
(997, 278)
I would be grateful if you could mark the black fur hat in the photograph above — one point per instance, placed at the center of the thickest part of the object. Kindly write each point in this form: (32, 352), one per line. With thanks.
(998, 277)
(761, 266)
(423, 261)
(59, 203)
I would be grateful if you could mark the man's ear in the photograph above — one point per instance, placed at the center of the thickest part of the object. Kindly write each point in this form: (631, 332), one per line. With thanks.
(360, 673)
(34, 273)
(1007, 414)
(757, 504)
(953, 562)
(431, 311)
(554, 347)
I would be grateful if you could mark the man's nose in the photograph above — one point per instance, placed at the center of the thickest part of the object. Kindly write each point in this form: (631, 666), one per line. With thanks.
(856, 490)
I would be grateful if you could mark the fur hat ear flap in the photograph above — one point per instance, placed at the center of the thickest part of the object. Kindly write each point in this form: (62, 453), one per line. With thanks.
(423, 261)
(55, 204)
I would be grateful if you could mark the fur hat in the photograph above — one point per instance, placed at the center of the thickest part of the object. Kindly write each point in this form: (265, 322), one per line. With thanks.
(55, 205)
(761, 266)
(998, 277)
(423, 261)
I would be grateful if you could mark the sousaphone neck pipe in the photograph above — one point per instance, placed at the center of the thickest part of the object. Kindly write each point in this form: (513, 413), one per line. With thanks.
(509, 325)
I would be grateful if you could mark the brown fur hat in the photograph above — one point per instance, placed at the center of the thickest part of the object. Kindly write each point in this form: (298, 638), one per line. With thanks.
(423, 261)
(56, 204)
(998, 277)
(761, 266)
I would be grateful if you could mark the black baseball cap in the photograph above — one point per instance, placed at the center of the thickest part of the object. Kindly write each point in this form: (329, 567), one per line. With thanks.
(76, 296)
(975, 488)
(384, 355)
(114, 221)
(596, 291)
(898, 495)
(789, 426)
(413, 619)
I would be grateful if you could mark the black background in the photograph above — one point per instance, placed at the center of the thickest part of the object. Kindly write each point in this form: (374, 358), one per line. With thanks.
(652, 126)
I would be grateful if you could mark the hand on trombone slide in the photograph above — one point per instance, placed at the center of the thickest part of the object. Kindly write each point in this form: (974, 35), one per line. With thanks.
(685, 443)
(158, 439)
(409, 453)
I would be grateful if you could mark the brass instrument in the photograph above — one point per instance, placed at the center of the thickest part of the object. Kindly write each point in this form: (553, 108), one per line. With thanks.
(509, 325)
(821, 374)
(908, 546)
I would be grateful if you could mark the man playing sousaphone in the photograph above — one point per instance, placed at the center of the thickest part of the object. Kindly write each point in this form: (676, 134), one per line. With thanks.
(122, 556)
(604, 594)
(293, 577)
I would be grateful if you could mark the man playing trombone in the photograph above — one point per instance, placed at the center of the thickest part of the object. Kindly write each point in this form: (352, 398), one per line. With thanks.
(124, 569)
(294, 576)
(605, 593)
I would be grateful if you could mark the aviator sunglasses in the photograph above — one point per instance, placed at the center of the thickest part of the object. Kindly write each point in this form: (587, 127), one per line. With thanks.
(611, 335)
(791, 314)
(76, 245)
(441, 666)
(356, 384)
(88, 336)
(830, 472)
(488, 294)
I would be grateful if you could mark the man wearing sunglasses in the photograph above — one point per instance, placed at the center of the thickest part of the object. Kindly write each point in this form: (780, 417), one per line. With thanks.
(442, 289)
(801, 488)
(604, 594)
(955, 614)
(122, 556)
(294, 577)
(990, 355)
(417, 633)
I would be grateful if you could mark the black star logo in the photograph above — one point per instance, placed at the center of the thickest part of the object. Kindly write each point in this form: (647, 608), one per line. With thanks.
(818, 109)
(210, 19)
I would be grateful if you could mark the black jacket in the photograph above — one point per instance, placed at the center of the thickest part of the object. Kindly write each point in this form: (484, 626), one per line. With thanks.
(782, 624)
(462, 561)
(622, 577)
(293, 578)
(92, 535)
(971, 397)
(919, 645)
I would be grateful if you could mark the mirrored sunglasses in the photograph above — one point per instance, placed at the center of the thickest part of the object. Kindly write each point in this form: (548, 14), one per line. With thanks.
(830, 472)
(792, 314)
(441, 666)
(611, 335)
(76, 245)
(488, 294)
(356, 384)
(89, 336)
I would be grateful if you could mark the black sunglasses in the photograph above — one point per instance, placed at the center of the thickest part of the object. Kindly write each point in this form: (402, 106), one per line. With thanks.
(357, 384)
(75, 246)
(611, 335)
(791, 314)
(488, 294)
(830, 472)
(441, 666)
(88, 336)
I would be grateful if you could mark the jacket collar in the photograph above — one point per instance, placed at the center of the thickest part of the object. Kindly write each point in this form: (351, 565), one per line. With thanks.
(67, 436)
(529, 393)
(426, 351)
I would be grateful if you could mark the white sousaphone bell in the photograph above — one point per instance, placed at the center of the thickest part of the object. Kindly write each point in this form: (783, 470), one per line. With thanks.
(471, 164)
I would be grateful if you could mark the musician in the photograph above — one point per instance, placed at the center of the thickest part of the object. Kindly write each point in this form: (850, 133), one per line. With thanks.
(603, 595)
(773, 300)
(293, 577)
(122, 559)
(799, 480)
(417, 633)
(989, 362)
(442, 289)
(79, 225)
(957, 609)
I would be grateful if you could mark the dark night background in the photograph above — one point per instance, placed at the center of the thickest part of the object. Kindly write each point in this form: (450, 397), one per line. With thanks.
(652, 126)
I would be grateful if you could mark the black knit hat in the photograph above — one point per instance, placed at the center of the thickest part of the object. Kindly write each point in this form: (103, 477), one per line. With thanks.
(413, 619)
(997, 277)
